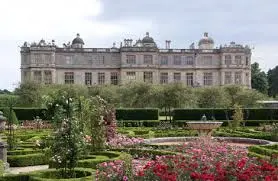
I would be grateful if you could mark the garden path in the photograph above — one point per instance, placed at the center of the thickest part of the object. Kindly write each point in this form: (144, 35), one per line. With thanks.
(17, 170)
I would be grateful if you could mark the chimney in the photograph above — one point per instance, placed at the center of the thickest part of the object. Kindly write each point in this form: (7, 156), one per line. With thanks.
(206, 34)
(167, 44)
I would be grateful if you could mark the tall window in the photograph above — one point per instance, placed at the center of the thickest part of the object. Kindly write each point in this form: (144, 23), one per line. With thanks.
(207, 60)
(238, 78)
(246, 61)
(114, 78)
(131, 59)
(88, 78)
(164, 60)
(148, 77)
(69, 77)
(48, 77)
(37, 59)
(247, 79)
(189, 60)
(228, 77)
(148, 59)
(131, 76)
(38, 76)
(100, 60)
(163, 78)
(238, 60)
(208, 78)
(177, 77)
(177, 60)
(189, 79)
(228, 59)
(101, 78)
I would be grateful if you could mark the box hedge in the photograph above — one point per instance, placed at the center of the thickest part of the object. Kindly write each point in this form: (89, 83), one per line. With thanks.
(137, 114)
(225, 114)
(27, 160)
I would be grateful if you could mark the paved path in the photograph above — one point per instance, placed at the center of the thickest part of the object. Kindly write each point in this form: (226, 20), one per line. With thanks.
(17, 170)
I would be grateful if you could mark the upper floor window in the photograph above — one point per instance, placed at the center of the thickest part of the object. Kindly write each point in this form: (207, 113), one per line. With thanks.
(69, 77)
(177, 77)
(114, 78)
(238, 60)
(131, 59)
(207, 60)
(38, 59)
(228, 59)
(208, 80)
(177, 60)
(148, 59)
(228, 77)
(163, 78)
(189, 60)
(246, 61)
(101, 78)
(164, 60)
(88, 78)
(148, 77)
(100, 60)
(47, 77)
(131, 75)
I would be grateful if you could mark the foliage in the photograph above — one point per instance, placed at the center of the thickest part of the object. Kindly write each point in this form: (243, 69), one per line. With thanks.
(212, 97)
(272, 75)
(259, 79)
(237, 117)
(68, 139)
(1, 168)
(27, 160)
(137, 114)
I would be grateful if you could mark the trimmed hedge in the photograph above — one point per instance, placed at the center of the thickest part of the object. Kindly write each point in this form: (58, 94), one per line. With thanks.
(28, 113)
(263, 150)
(1, 168)
(137, 114)
(27, 160)
(145, 152)
(225, 114)
(26, 151)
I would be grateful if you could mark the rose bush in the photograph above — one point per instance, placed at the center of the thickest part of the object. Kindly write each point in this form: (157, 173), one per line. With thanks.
(198, 160)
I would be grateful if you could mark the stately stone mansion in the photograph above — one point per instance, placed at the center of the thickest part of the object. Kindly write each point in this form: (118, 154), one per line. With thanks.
(205, 65)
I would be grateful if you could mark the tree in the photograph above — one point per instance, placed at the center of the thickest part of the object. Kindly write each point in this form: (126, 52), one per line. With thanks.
(258, 79)
(272, 75)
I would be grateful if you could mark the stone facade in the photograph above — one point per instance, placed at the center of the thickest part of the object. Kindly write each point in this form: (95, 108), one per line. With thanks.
(204, 65)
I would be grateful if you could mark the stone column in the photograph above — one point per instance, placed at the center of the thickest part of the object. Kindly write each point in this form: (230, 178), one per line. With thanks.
(3, 154)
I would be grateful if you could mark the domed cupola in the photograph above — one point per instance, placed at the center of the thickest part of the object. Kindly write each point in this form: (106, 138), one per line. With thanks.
(148, 41)
(77, 42)
(206, 42)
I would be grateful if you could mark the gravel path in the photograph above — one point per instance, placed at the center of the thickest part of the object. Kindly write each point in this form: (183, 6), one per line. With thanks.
(17, 170)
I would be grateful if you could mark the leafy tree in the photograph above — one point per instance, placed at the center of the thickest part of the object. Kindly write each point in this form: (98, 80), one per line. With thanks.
(212, 97)
(237, 116)
(273, 81)
(259, 79)
(29, 94)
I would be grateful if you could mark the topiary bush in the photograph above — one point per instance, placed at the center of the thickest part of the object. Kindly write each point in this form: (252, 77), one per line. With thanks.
(27, 160)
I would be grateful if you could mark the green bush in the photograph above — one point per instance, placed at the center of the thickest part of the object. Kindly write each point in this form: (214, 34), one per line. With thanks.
(82, 174)
(1, 168)
(137, 114)
(18, 177)
(26, 151)
(27, 160)
(28, 113)
(262, 150)
(225, 114)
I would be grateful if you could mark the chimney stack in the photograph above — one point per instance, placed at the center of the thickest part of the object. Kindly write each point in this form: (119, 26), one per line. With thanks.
(168, 42)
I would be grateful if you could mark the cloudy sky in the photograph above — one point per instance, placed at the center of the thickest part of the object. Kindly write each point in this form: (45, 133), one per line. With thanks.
(102, 22)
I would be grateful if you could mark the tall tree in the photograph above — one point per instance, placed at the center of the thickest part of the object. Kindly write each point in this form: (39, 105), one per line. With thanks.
(272, 76)
(258, 78)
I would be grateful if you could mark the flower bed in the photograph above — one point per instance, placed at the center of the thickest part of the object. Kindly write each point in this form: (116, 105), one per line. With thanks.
(198, 160)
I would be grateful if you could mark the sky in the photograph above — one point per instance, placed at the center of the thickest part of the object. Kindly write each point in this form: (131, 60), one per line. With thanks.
(102, 22)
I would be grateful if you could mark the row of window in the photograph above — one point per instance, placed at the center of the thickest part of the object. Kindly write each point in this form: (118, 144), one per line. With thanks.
(237, 78)
(148, 59)
(69, 78)
(238, 60)
(42, 76)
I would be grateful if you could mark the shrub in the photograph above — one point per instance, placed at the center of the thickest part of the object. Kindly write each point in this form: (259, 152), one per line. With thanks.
(27, 160)
(137, 114)
(1, 168)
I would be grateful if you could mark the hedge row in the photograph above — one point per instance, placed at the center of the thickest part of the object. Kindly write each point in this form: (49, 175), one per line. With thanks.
(225, 114)
(137, 114)
(183, 123)
(27, 160)
(40, 175)
(263, 150)
(28, 113)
